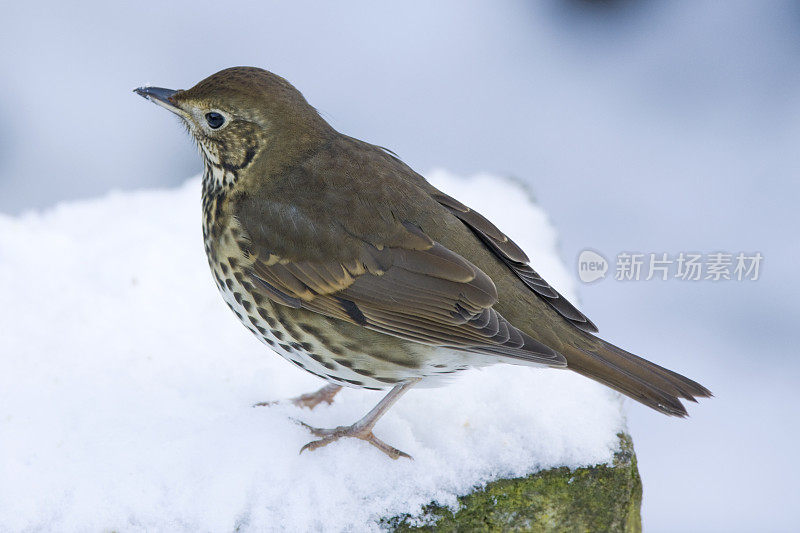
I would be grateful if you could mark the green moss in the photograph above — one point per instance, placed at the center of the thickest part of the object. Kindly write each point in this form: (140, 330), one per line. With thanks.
(596, 498)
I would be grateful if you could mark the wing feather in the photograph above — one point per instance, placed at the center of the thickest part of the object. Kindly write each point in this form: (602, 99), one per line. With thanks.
(430, 295)
(513, 256)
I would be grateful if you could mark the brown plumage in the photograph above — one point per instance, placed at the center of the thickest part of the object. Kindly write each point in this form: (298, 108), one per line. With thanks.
(351, 265)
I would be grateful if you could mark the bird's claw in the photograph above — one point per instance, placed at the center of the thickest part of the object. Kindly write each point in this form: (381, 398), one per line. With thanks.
(310, 400)
(334, 434)
(267, 404)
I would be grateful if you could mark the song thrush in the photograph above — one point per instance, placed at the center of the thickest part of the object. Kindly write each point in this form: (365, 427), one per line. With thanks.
(350, 265)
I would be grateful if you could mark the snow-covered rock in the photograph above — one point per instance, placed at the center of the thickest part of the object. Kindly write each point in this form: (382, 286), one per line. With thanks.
(126, 388)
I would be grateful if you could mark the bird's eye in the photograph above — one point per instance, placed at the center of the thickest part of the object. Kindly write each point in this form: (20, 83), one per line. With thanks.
(215, 120)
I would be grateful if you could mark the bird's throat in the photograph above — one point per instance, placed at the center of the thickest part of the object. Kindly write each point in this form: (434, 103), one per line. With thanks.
(216, 178)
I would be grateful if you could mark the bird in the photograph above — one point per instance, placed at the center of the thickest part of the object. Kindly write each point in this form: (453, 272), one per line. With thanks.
(349, 264)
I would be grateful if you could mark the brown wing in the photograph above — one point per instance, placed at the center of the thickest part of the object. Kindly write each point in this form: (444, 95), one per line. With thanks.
(424, 293)
(513, 256)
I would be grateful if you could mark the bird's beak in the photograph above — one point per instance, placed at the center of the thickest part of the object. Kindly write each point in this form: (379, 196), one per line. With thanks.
(160, 96)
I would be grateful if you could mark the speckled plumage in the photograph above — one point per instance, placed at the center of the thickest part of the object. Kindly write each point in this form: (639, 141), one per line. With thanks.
(353, 267)
(332, 349)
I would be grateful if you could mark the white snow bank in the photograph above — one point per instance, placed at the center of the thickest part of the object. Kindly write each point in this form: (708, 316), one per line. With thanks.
(126, 388)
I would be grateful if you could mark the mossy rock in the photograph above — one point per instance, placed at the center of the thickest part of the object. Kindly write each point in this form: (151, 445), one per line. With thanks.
(596, 498)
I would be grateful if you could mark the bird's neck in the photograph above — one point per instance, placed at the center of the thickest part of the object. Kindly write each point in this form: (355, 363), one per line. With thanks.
(217, 179)
(296, 143)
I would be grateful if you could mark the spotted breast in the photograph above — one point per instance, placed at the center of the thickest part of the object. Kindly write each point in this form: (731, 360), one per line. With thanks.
(337, 351)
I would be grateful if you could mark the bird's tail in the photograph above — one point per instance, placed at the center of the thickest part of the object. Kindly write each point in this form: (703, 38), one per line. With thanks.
(645, 382)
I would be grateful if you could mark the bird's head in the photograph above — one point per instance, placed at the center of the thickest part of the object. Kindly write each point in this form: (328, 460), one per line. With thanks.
(241, 114)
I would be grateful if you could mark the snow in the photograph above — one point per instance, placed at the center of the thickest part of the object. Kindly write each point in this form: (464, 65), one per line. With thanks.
(126, 388)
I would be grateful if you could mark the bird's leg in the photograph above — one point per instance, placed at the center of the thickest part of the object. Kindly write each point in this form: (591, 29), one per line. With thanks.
(363, 428)
(312, 399)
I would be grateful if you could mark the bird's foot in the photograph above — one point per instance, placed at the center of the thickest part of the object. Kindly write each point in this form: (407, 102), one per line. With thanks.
(310, 400)
(357, 430)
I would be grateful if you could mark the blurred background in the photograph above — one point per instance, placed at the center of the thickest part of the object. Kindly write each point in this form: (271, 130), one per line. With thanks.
(646, 126)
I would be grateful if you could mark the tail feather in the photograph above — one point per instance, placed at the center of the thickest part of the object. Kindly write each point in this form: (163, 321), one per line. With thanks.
(652, 385)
